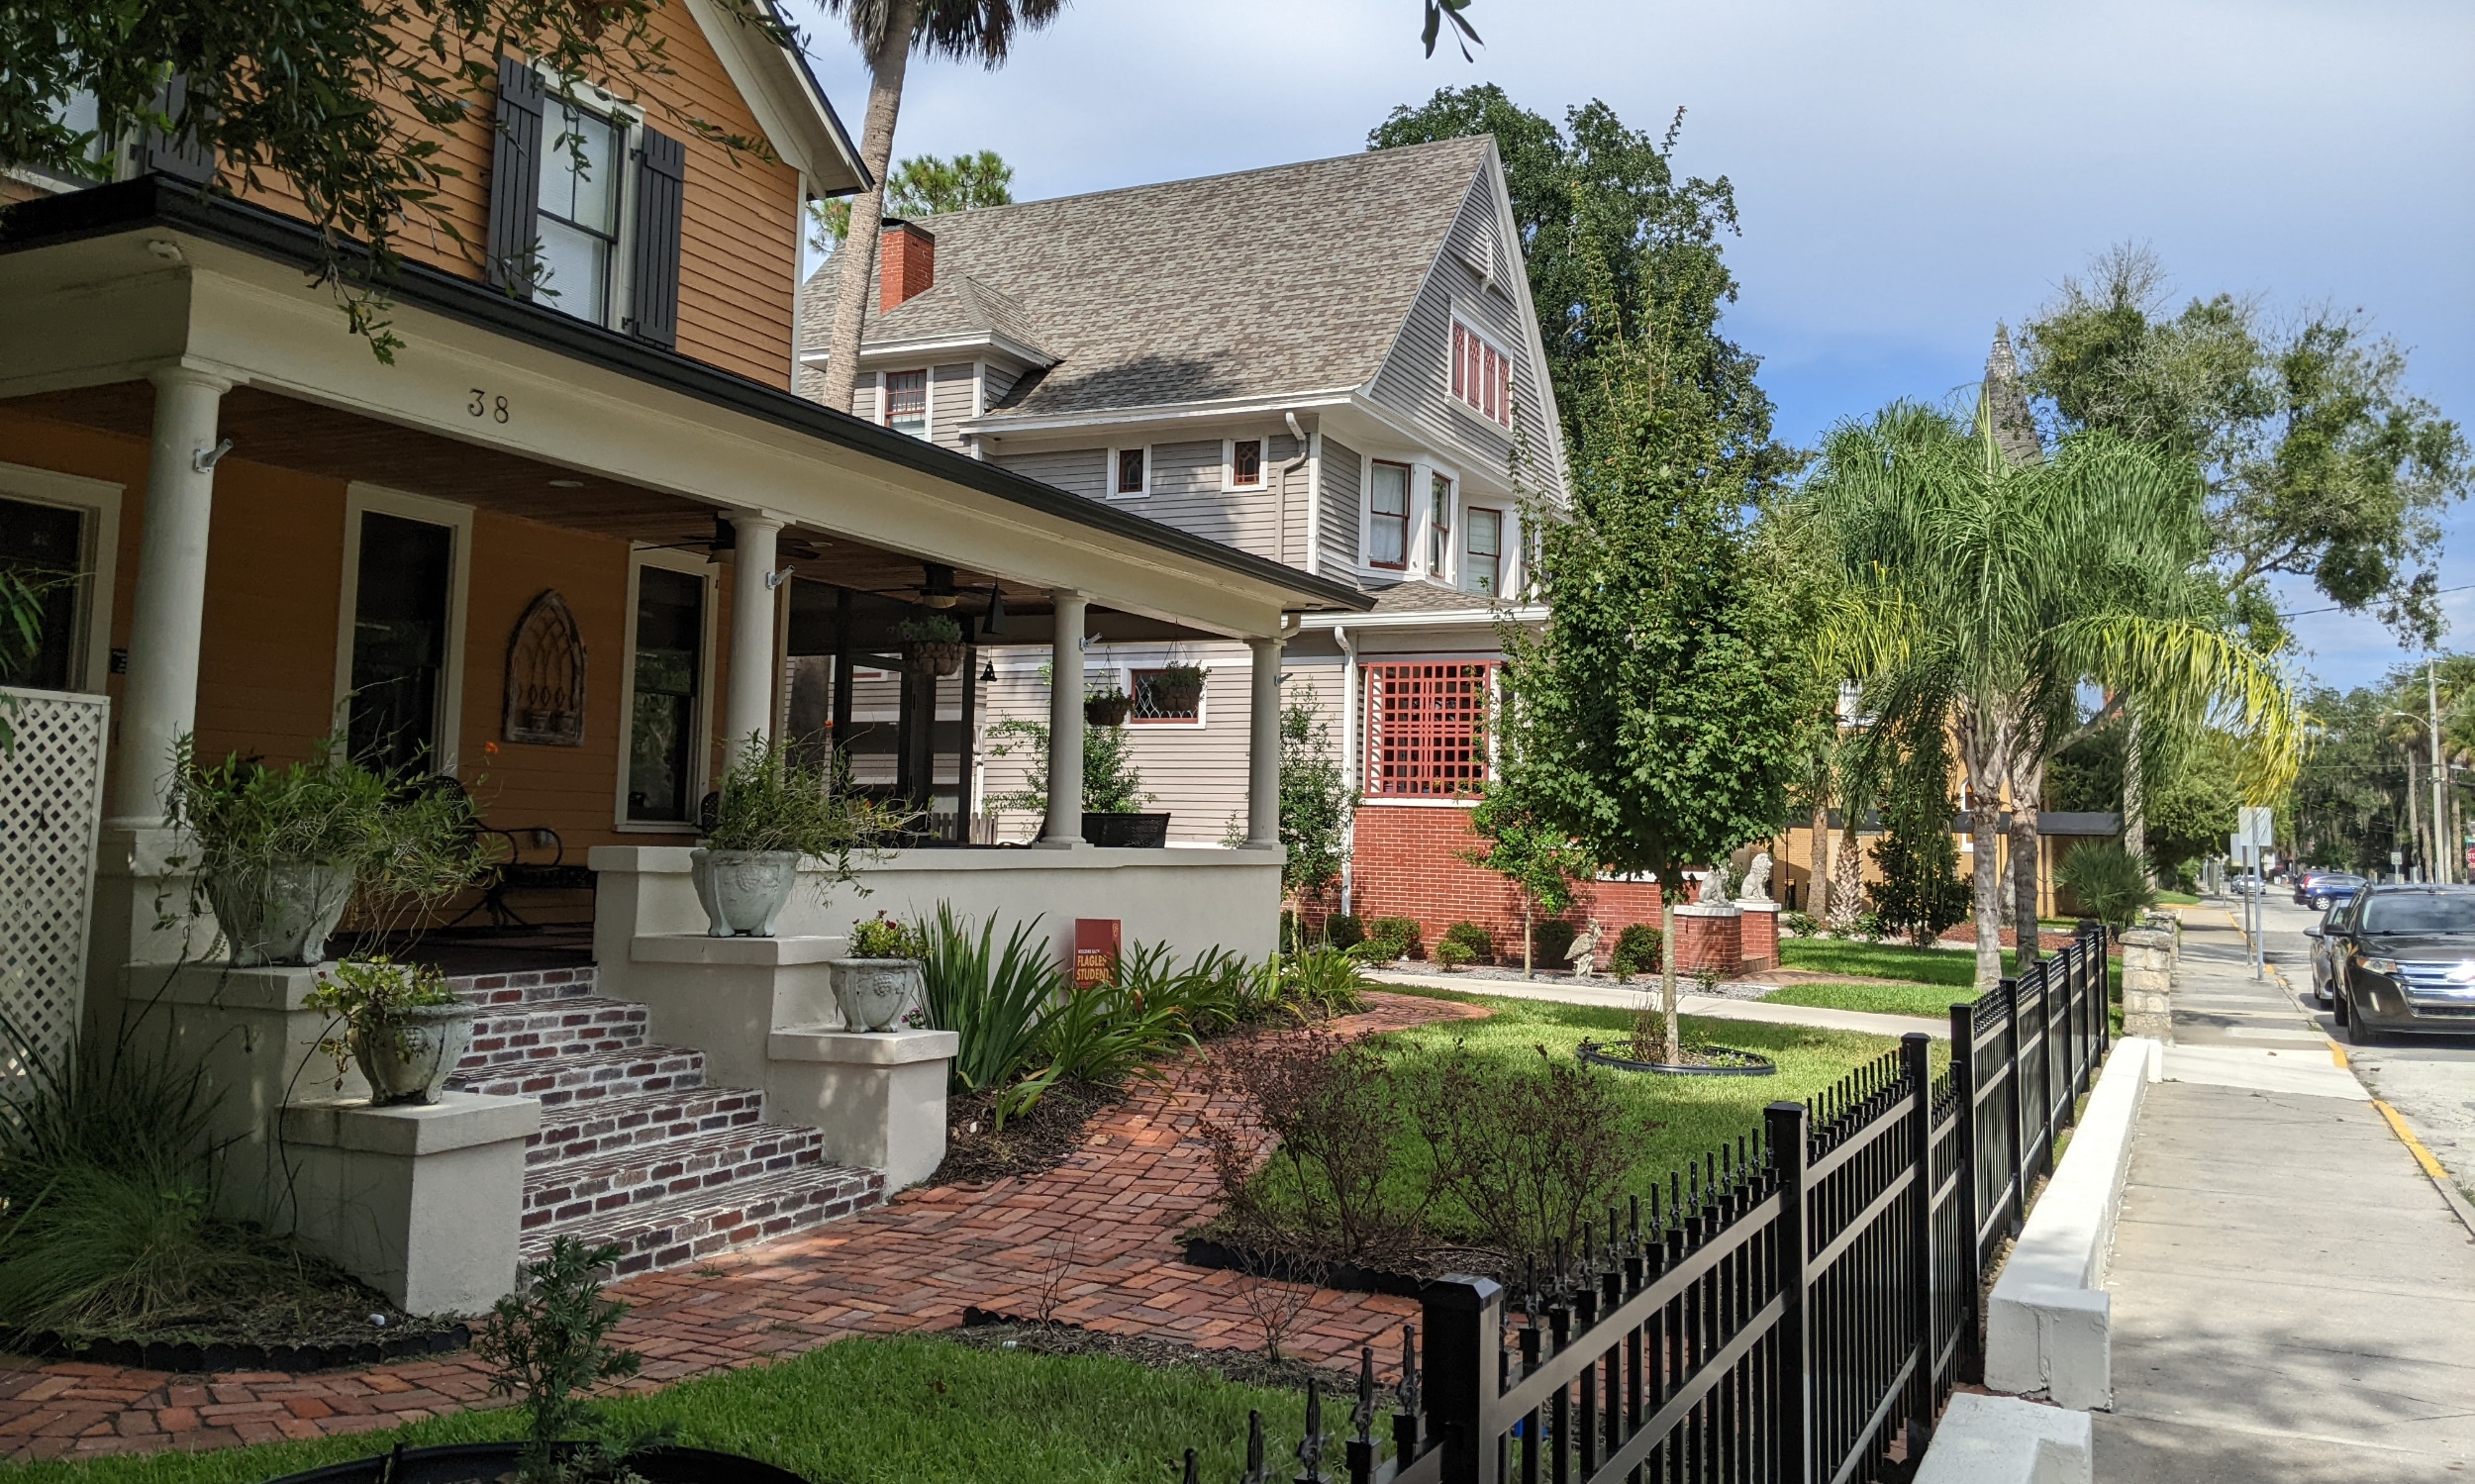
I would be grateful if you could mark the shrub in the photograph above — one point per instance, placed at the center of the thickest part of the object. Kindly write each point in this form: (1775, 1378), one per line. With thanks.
(1554, 939)
(1453, 954)
(2111, 882)
(1474, 939)
(1531, 1153)
(1333, 1107)
(1326, 982)
(1639, 949)
(550, 1343)
(1797, 924)
(770, 800)
(1389, 938)
(1341, 930)
(880, 937)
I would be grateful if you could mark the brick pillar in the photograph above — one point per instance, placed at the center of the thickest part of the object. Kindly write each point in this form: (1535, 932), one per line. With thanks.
(1707, 937)
(1759, 935)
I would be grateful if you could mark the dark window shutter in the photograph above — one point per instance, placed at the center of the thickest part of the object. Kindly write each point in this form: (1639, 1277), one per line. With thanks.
(653, 270)
(183, 156)
(516, 179)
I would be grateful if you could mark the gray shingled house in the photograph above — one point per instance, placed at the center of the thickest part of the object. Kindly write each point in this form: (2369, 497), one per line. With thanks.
(1334, 363)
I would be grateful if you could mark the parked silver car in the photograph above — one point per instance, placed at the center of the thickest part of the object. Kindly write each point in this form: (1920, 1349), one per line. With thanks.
(2400, 957)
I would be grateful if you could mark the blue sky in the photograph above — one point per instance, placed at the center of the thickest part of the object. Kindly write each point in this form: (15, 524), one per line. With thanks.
(1909, 171)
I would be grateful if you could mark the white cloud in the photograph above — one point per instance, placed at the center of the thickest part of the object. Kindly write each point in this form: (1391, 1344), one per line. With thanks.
(1908, 170)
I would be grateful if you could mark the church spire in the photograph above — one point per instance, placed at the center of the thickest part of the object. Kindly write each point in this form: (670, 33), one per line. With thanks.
(2006, 403)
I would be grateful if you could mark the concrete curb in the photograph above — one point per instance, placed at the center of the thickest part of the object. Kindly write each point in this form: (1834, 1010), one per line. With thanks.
(2004, 1440)
(2048, 1325)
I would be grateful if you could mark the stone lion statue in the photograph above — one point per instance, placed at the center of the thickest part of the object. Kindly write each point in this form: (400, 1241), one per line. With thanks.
(1756, 887)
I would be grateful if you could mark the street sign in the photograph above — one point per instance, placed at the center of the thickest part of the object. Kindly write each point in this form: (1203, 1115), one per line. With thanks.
(2257, 827)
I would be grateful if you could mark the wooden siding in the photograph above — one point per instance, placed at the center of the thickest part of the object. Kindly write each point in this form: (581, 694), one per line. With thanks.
(951, 389)
(1336, 533)
(1416, 376)
(1002, 377)
(1077, 471)
(1186, 493)
(739, 233)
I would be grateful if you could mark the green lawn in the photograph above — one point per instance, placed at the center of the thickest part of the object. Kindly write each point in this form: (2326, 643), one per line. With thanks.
(1677, 1119)
(871, 1411)
(1945, 967)
(1934, 1000)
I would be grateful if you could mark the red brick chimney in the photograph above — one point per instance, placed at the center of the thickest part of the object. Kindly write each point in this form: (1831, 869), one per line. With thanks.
(906, 262)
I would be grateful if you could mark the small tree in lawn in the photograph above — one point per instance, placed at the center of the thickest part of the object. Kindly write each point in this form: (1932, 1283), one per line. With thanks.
(1654, 719)
(1537, 859)
(1921, 892)
(1316, 803)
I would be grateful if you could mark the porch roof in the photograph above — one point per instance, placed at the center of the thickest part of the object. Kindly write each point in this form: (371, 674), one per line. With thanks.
(642, 513)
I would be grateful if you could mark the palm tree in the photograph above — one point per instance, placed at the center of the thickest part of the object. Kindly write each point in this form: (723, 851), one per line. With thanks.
(889, 30)
(1993, 587)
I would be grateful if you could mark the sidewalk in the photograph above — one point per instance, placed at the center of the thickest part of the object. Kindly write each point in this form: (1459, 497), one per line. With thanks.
(2293, 1297)
(1634, 995)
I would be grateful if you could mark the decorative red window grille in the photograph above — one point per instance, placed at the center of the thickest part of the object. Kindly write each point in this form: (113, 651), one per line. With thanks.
(1426, 728)
(1482, 375)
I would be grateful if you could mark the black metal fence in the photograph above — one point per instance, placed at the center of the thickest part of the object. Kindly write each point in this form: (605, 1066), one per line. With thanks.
(1794, 1313)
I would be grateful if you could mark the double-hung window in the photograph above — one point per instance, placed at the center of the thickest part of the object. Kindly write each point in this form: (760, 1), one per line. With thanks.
(906, 402)
(1483, 570)
(1482, 375)
(1439, 526)
(583, 160)
(1388, 516)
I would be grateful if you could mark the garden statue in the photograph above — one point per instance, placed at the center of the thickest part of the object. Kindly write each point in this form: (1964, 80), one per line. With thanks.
(1584, 954)
(1715, 885)
(1756, 887)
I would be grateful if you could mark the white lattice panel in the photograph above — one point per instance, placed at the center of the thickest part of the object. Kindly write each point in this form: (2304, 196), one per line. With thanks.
(51, 807)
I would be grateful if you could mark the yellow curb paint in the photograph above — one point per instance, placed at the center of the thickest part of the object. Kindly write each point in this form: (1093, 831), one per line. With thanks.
(2338, 1053)
(2415, 1145)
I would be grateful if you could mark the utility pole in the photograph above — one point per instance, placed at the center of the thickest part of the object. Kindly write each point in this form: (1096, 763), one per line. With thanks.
(2445, 865)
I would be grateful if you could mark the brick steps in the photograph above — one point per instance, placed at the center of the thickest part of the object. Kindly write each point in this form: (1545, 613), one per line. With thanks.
(634, 1149)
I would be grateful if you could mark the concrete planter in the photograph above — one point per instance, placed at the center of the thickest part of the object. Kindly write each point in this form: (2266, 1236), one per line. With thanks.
(281, 913)
(874, 992)
(743, 891)
(408, 1055)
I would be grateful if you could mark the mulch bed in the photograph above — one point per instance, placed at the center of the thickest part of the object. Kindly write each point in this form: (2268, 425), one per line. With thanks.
(977, 1152)
(985, 1330)
(330, 1319)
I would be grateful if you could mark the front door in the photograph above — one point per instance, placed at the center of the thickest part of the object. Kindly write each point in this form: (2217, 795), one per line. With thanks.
(43, 546)
(406, 576)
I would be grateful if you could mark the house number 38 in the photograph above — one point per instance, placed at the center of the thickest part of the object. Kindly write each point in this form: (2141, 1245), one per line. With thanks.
(483, 405)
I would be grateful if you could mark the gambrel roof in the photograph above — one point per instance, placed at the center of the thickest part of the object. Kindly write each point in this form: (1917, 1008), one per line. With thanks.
(1285, 281)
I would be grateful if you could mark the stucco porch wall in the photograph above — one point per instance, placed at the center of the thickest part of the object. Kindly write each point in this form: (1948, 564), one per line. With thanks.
(1191, 898)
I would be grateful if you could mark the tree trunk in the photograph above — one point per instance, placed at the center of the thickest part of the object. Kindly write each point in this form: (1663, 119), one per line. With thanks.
(2135, 791)
(856, 257)
(1819, 873)
(1674, 1054)
(1529, 966)
(1847, 873)
(1989, 892)
(2026, 793)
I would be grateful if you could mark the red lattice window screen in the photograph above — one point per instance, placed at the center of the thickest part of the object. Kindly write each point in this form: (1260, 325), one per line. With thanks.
(1426, 728)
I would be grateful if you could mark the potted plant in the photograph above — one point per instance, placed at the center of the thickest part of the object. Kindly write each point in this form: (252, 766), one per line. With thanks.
(932, 644)
(1106, 708)
(881, 977)
(401, 1023)
(771, 812)
(1177, 690)
(280, 853)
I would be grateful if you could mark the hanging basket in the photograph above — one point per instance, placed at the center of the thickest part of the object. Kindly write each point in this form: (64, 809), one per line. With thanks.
(930, 657)
(1177, 690)
(1106, 711)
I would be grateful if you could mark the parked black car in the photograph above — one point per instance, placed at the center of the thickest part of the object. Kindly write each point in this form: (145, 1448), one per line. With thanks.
(2402, 957)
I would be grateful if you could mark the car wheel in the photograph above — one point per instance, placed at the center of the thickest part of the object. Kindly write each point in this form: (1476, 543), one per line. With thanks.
(2320, 904)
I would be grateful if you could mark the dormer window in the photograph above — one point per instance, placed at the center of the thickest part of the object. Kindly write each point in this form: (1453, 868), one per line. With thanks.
(906, 402)
(1130, 472)
(1245, 464)
(1482, 375)
(579, 209)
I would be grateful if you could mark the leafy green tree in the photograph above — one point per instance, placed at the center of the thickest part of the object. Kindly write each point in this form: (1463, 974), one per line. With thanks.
(1316, 803)
(2317, 461)
(1112, 784)
(1991, 588)
(1537, 860)
(1653, 720)
(345, 105)
(922, 186)
(1920, 893)
(1603, 220)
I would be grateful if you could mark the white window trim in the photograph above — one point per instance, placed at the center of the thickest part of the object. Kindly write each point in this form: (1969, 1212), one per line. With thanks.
(1423, 518)
(1465, 557)
(1125, 670)
(631, 118)
(928, 399)
(1366, 517)
(700, 744)
(1108, 476)
(446, 749)
(100, 500)
(1511, 361)
(1228, 465)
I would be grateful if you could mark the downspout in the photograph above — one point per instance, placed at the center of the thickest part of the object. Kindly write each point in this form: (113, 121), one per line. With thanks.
(1349, 755)
(1280, 506)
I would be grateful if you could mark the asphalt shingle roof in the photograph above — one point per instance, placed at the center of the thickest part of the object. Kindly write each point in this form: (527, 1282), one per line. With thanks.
(1279, 281)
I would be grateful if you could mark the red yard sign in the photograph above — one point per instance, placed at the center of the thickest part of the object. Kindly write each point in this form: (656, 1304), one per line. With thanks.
(1097, 941)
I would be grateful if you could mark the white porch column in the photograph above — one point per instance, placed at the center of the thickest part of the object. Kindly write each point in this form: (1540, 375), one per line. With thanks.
(747, 703)
(1065, 723)
(160, 702)
(1263, 745)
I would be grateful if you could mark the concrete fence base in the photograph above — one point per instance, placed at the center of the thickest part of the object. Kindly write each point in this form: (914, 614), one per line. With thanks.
(2004, 1440)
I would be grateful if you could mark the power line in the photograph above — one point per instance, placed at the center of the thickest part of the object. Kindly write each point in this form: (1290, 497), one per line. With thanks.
(2298, 613)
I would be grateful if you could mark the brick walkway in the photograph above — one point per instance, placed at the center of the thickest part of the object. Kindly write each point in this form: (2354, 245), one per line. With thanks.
(1097, 1230)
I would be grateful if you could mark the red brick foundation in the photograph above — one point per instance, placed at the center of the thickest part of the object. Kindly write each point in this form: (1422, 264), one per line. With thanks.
(1406, 860)
(1708, 944)
(1758, 935)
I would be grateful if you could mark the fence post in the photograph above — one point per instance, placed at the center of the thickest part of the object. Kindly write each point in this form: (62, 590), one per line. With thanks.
(2057, 1110)
(1793, 1400)
(1464, 1321)
(1969, 1363)
(1916, 1055)
(2016, 1086)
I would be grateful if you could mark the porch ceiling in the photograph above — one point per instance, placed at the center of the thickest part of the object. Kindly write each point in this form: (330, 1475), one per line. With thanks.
(270, 429)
